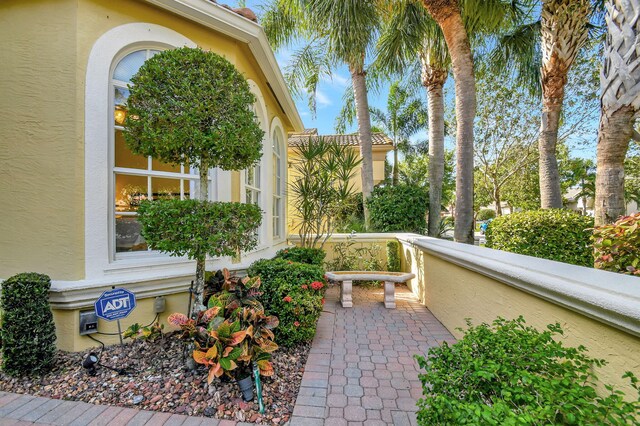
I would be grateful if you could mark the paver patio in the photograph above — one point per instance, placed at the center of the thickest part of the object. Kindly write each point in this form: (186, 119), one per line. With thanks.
(361, 369)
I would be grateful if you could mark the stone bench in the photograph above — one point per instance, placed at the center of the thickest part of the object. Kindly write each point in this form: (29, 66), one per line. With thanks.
(346, 278)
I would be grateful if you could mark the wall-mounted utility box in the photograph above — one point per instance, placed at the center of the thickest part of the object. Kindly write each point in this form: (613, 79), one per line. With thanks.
(159, 304)
(88, 322)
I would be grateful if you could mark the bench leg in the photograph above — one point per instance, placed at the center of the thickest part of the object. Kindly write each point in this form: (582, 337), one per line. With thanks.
(345, 294)
(389, 295)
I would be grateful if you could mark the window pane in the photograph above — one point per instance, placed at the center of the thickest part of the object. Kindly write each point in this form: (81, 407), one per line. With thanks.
(164, 167)
(125, 158)
(250, 176)
(129, 65)
(249, 196)
(128, 236)
(165, 189)
(130, 190)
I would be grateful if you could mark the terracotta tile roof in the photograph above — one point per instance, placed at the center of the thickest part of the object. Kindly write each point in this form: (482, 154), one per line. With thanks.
(245, 12)
(377, 139)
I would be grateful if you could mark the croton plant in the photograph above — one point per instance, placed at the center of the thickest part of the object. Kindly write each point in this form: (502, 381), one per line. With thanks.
(233, 332)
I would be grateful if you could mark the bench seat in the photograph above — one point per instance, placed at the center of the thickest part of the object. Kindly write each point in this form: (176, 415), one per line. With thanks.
(346, 278)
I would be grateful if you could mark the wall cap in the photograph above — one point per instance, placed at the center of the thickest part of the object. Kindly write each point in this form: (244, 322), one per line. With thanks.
(608, 297)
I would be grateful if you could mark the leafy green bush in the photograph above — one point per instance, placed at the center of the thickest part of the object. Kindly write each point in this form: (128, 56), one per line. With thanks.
(196, 228)
(400, 208)
(353, 256)
(511, 374)
(294, 292)
(617, 246)
(393, 256)
(28, 331)
(485, 214)
(311, 256)
(559, 235)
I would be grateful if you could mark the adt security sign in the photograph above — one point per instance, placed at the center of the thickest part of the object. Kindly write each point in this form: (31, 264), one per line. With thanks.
(115, 304)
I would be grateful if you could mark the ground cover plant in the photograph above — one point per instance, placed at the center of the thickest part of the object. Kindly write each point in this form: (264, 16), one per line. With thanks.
(554, 234)
(617, 246)
(295, 293)
(28, 332)
(509, 373)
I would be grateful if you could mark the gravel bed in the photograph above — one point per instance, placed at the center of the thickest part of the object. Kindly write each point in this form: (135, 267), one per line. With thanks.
(160, 382)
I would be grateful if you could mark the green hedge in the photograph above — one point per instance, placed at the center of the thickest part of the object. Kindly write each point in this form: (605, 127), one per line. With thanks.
(400, 208)
(485, 214)
(28, 332)
(294, 292)
(558, 235)
(510, 374)
(311, 256)
(393, 256)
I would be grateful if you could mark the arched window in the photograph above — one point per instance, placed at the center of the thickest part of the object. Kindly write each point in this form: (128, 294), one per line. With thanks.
(135, 177)
(278, 190)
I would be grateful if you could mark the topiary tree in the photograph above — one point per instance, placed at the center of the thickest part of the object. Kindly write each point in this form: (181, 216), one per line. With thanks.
(191, 106)
(28, 332)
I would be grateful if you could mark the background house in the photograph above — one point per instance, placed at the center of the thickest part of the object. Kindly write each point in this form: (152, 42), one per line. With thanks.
(69, 185)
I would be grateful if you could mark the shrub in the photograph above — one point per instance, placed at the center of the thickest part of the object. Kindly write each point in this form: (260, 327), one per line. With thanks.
(352, 256)
(28, 331)
(294, 292)
(617, 246)
(558, 235)
(400, 208)
(393, 256)
(308, 255)
(486, 214)
(508, 373)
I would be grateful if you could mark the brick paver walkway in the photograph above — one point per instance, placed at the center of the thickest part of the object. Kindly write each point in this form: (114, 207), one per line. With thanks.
(361, 369)
(16, 409)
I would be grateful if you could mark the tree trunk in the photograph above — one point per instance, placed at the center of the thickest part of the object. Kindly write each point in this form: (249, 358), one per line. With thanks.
(433, 79)
(614, 135)
(198, 289)
(447, 14)
(498, 201)
(364, 132)
(394, 180)
(550, 192)
(620, 91)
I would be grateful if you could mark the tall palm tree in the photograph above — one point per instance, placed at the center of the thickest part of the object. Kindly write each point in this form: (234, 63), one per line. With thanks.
(404, 117)
(337, 32)
(620, 100)
(422, 37)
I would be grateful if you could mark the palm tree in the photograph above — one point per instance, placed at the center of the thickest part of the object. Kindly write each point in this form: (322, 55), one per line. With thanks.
(422, 37)
(620, 100)
(337, 32)
(404, 117)
(544, 51)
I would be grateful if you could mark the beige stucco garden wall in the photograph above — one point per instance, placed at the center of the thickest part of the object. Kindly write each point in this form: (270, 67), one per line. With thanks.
(454, 293)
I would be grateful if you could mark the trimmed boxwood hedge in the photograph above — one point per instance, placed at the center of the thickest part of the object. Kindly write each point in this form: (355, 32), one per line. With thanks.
(28, 332)
(554, 234)
(308, 255)
(400, 208)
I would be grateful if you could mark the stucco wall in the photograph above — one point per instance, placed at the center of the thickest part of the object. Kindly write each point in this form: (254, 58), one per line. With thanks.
(454, 293)
(41, 156)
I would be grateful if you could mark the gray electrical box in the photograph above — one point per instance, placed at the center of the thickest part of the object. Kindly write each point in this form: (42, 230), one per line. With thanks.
(88, 322)
(159, 305)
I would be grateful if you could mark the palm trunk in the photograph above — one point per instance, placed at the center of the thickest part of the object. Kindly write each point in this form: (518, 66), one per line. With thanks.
(550, 192)
(434, 79)
(620, 87)
(394, 180)
(364, 132)
(614, 135)
(447, 14)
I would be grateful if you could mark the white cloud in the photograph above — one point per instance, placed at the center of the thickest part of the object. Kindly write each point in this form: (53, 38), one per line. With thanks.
(336, 80)
(322, 99)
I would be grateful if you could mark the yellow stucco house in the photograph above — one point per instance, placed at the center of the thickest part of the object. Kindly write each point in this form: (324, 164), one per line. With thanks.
(381, 145)
(68, 183)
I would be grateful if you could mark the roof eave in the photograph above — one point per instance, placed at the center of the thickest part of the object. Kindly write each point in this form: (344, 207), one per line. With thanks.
(227, 22)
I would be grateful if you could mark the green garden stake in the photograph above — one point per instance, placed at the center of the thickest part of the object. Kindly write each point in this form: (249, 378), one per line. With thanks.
(256, 375)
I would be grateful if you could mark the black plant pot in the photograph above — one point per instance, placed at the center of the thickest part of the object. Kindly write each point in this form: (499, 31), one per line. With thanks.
(246, 387)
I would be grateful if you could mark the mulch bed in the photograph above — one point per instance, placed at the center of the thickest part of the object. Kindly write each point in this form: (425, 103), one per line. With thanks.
(160, 382)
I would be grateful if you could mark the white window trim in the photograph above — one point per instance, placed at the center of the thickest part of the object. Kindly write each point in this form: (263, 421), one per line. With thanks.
(97, 135)
(277, 127)
(265, 239)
